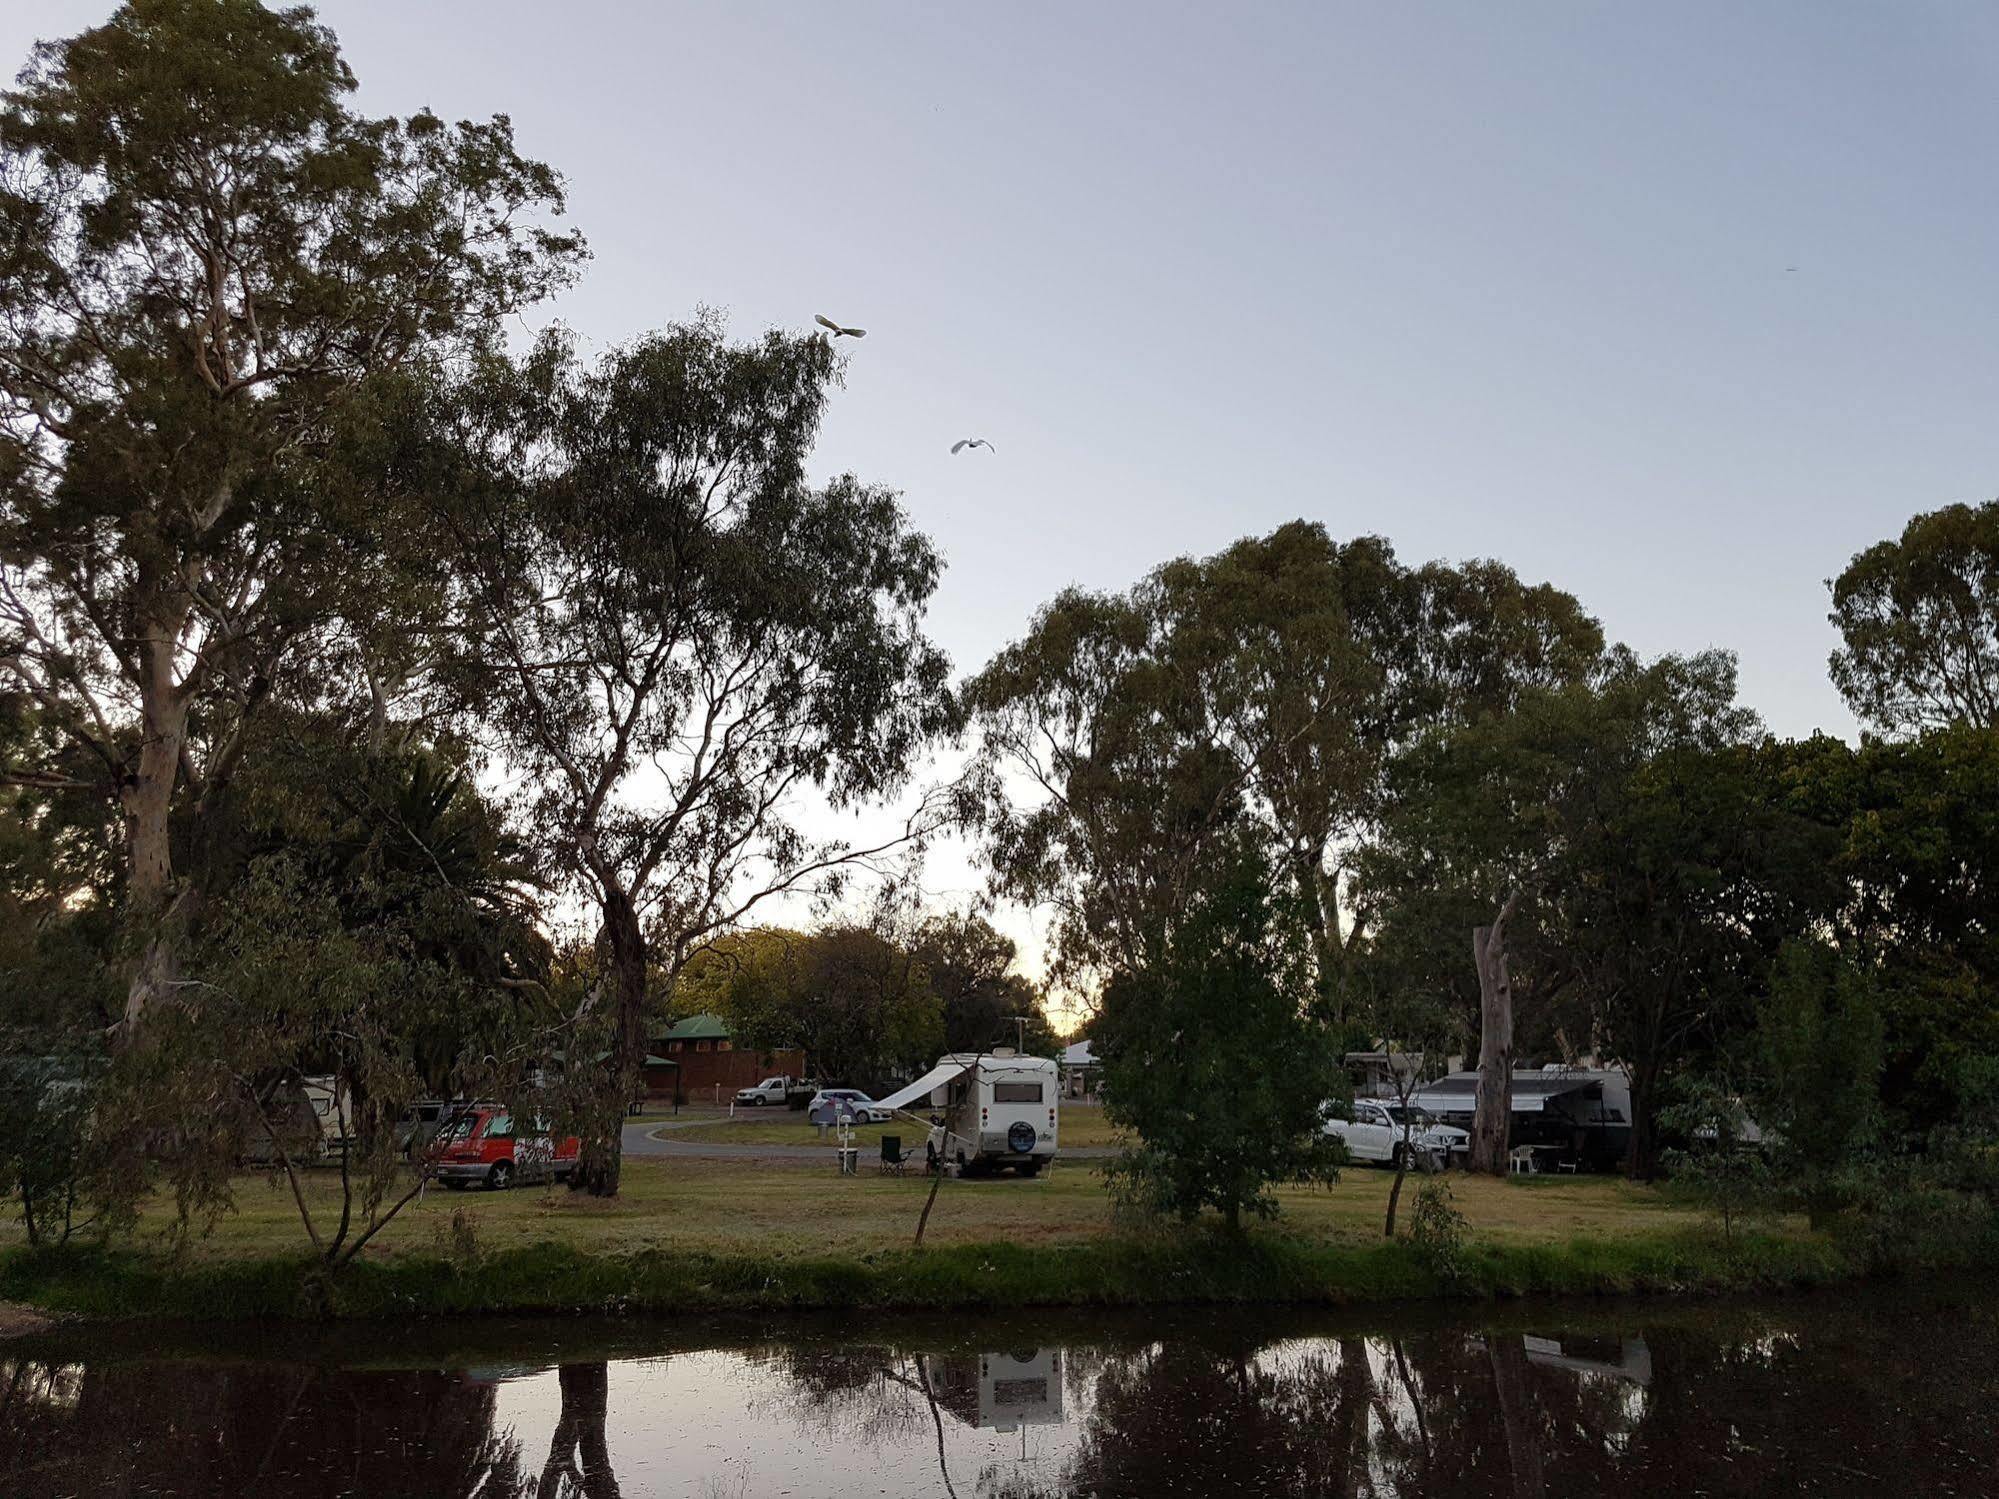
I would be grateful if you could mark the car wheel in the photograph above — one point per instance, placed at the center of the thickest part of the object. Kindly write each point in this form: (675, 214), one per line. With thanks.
(500, 1177)
(1398, 1158)
(1030, 1168)
(757, 1102)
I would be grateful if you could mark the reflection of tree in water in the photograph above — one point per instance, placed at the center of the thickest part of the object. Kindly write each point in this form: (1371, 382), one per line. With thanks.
(579, 1455)
(871, 1397)
(1356, 1417)
(1864, 1403)
(296, 1430)
(1192, 1418)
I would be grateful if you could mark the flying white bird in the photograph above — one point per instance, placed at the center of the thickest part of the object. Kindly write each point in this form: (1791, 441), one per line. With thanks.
(838, 332)
(972, 442)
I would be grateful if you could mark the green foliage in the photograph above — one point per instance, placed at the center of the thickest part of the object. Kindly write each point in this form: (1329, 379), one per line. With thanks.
(1912, 859)
(207, 260)
(678, 638)
(865, 1000)
(1920, 617)
(1439, 1233)
(1962, 1153)
(1819, 1034)
(1719, 1163)
(1266, 688)
(45, 1110)
(1153, 1269)
(1211, 1060)
(373, 928)
(404, 846)
(60, 884)
(970, 968)
(867, 1007)
(1655, 875)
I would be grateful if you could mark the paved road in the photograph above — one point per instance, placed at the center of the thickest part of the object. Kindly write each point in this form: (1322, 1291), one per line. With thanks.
(654, 1137)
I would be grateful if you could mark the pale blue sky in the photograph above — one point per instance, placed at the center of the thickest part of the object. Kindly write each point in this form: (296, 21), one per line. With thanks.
(1501, 280)
(1490, 279)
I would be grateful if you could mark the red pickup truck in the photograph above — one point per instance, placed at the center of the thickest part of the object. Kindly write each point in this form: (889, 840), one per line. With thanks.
(481, 1145)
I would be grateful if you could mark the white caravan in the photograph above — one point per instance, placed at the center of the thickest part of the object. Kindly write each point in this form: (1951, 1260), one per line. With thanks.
(1005, 1107)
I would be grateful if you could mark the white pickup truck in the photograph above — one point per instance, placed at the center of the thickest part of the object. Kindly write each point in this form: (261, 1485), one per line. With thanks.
(1372, 1130)
(771, 1091)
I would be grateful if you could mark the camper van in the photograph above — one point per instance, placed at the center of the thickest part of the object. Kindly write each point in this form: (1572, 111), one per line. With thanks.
(1005, 1105)
(312, 1118)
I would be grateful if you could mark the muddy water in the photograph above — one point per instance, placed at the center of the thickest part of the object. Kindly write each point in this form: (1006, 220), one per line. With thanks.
(1860, 1393)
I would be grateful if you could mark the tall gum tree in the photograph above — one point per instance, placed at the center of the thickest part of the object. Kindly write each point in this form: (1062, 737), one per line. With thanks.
(1617, 823)
(677, 640)
(1275, 682)
(203, 254)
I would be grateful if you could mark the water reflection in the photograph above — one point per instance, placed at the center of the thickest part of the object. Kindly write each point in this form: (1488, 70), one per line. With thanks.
(1840, 1397)
(254, 1428)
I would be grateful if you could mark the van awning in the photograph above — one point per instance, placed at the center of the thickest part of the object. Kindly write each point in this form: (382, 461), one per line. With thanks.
(1533, 1092)
(925, 1085)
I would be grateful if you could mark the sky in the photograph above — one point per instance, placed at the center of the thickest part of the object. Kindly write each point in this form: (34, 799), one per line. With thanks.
(1676, 307)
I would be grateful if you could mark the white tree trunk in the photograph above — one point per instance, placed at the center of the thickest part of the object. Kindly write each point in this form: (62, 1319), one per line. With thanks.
(1494, 1110)
(152, 911)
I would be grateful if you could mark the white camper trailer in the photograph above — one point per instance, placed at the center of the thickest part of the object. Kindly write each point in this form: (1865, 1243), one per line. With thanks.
(1006, 1106)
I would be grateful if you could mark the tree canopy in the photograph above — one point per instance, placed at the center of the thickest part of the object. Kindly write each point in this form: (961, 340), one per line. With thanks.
(1920, 618)
(1271, 685)
(671, 635)
(204, 254)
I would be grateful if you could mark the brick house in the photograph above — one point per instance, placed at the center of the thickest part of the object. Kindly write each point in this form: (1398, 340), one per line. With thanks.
(700, 1058)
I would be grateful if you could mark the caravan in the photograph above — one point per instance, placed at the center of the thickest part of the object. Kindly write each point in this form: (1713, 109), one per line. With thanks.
(998, 1107)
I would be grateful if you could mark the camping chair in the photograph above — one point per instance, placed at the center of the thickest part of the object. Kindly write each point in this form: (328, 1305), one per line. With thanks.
(894, 1157)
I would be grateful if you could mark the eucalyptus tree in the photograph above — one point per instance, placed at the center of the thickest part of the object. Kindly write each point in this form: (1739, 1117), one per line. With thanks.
(1104, 797)
(1273, 684)
(204, 255)
(1919, 617)
(677, 640)
(1617, 821)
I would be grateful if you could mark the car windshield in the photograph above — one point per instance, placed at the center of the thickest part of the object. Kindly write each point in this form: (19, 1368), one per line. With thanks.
(1411, 1115)
(461, 1128)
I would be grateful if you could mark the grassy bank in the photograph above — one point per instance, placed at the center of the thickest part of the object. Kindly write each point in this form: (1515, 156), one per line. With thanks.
(1201, 1266)
(713, 1236)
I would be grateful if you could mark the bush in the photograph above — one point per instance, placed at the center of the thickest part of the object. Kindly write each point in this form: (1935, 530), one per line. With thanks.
(1720, 1168)
(1820, 1036)
(1188, 1043)
(1439, 1233)
(45, 1113)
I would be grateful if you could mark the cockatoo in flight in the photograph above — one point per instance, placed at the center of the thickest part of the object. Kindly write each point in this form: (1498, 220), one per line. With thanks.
(972, 442)
(838, 332)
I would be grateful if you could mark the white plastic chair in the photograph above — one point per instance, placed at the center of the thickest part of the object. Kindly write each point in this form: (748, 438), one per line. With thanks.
(1520, 1160)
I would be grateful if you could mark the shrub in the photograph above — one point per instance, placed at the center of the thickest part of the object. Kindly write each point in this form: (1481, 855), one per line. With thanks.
(1439, 1233)
(1721, 1168)
(45, 1113)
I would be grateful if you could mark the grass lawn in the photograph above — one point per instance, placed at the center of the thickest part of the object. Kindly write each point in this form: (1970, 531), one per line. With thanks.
(738, 1207)
(743, 1234)
(1082, 1126)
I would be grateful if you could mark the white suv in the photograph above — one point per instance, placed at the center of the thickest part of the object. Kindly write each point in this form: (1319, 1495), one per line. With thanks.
(1374, 1133)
